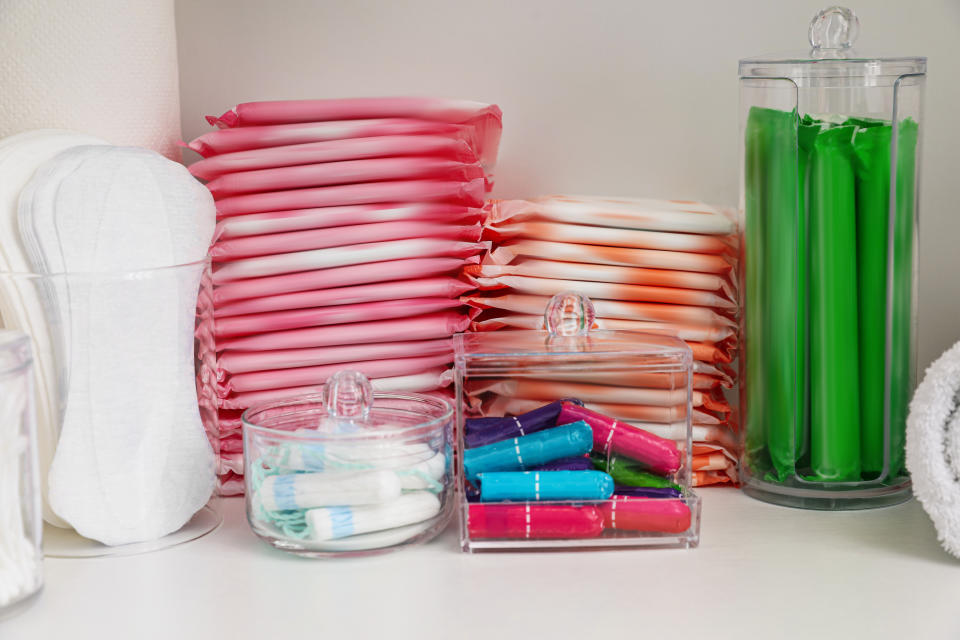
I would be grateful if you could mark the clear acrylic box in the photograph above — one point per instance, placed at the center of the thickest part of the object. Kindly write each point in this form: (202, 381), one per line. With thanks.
(636, 391)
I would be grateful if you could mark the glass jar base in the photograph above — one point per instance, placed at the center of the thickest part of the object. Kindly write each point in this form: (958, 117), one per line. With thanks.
(839, 499)
(67, 543)
(368, 544)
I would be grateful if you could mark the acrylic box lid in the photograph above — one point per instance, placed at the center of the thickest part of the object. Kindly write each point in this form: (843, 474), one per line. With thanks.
(349, 410)
(569, 343)
(832, 34)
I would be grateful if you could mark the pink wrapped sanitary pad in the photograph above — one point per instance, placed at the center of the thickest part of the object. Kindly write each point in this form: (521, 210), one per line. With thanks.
(469, 193)
(427, 327)
(256, 224)
(416, 383)
(386, 271)
(245, 361)
(320, 316)
(338, 173)
(343, 256)
(277, 243)
(225, 141)
(286, 378)
(451, 147)
(421, 108)
(483, 119)
(439, 287)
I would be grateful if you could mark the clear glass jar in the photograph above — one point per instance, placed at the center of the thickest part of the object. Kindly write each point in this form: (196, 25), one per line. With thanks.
(21, 525)
(115, 360)
(601, 408)
(350, 472)
(830, 146)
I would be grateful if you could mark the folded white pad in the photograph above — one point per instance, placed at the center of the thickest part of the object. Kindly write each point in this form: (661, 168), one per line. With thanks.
(133, 462)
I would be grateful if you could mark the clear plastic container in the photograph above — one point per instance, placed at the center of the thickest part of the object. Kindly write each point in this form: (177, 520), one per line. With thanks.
(350, 472)
(21, 525)
(631, 437)
(114, 363)
(830, 145)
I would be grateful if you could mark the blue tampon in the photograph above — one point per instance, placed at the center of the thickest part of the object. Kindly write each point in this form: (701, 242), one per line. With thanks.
(545, 485)
(517, 454)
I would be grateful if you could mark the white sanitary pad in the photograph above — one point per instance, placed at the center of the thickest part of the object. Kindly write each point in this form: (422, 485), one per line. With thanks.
(133, 462)
(20, 305)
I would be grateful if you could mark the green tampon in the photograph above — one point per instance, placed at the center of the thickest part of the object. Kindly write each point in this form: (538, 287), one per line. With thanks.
(807, 134)
(872, 149)
(834, 340)
(754, 391)
(902, 360)
(630, 472)
(780, 283)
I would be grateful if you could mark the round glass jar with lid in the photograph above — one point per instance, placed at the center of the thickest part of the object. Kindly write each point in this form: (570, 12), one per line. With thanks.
(351, 472)
(830, 148)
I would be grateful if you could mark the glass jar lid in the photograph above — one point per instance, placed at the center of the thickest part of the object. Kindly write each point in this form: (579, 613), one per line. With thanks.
(832, 35)
(349, 410)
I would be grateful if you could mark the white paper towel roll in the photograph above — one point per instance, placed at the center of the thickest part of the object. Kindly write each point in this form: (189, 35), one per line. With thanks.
(107, 68)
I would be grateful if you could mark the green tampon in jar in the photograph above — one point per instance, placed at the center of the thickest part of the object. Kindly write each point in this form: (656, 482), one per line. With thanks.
(834, 338)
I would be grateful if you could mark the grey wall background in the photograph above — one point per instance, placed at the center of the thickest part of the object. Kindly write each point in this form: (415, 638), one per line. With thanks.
(616, 97)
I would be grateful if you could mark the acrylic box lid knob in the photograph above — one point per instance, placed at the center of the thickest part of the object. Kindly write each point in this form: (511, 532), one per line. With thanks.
(833, 29)
(569, 314)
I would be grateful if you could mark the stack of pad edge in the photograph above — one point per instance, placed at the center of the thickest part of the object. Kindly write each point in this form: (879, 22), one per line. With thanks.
(342, 225)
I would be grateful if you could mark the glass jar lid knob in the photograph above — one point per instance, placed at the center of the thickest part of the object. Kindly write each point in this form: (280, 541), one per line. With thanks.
(832, 29)
(348, 397)
(569, 314)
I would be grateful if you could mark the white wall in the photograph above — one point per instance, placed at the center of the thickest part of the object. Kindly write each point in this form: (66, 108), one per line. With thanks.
(625, 97)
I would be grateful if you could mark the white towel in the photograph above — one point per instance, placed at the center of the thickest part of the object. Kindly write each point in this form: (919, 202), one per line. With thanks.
(933, 447)
(104, 67)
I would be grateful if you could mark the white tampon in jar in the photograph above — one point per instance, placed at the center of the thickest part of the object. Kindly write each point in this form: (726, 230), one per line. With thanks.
(350, 472)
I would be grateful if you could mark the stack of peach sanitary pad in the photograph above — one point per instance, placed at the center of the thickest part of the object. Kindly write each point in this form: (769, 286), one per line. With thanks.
(342, 227)
(648, 265)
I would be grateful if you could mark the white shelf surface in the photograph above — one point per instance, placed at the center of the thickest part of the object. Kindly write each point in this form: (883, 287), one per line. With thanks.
(761, 571)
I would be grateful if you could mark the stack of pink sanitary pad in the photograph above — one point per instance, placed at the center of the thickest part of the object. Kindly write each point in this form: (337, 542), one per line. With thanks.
(648, 265)
(342, 227)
